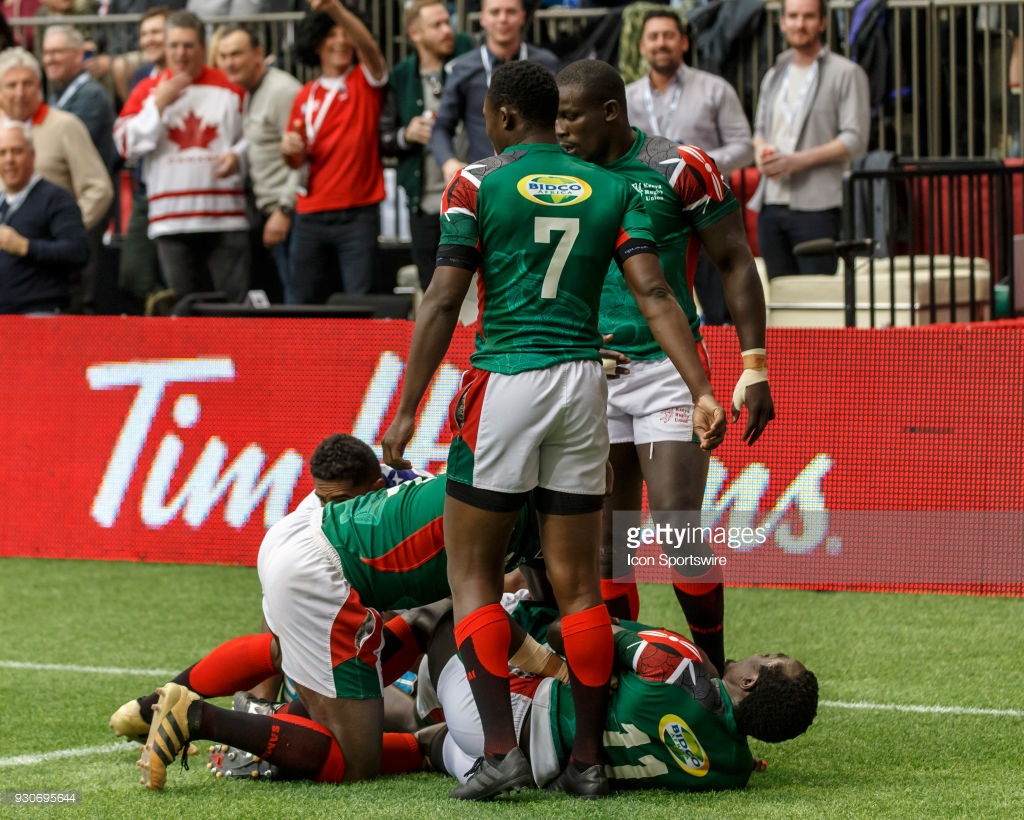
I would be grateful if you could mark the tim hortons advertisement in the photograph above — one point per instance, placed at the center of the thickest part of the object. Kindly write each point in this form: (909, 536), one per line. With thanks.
(895, 461)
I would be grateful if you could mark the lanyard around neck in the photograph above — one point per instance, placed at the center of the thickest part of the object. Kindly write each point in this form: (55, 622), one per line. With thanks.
(485, 58)
(313, 125)
(656, 127)
(789, 112)
(69, 92)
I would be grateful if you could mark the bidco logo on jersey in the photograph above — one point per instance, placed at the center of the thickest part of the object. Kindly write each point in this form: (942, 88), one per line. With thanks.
(547, 189)
(683, 745)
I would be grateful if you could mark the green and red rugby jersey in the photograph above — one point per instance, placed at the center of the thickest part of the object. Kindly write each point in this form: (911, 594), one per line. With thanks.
(543, 227)
(683, 192)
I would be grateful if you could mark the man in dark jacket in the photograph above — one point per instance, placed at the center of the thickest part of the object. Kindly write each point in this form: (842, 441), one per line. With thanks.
(407, 120)
(42, 238)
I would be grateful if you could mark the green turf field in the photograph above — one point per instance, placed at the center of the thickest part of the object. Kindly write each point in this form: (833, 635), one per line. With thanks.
(872, 751)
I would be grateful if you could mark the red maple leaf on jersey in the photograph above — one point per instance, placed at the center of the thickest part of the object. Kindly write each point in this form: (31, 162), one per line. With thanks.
(192, 134)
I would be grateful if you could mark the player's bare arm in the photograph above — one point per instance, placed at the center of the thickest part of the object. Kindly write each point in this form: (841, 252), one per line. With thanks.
(727, 246)
(660, 309)
(435, 323)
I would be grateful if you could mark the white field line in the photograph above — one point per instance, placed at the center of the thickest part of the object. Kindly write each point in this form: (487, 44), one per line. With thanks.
(164, 674)
(835, 704)
(931, 710)
(42, 757)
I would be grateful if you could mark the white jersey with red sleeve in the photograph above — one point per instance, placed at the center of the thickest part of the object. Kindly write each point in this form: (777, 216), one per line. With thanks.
(181, 148)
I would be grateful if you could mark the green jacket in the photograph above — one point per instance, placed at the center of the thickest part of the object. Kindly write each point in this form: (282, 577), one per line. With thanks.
(404, 101)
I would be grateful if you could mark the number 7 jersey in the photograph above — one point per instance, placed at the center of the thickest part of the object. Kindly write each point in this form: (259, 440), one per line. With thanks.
(545, 226)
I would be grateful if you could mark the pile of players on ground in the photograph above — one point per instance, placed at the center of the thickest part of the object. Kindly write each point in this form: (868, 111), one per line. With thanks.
(390, 692)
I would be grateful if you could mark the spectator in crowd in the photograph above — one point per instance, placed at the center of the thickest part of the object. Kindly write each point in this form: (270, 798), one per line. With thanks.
(139, 271)
(333, 133)
(186, 123)
(22, 35)
(683, 104)
(409, 112)
(812, 121)
(690, 107)
(64, 152)
(20, 8)
(7, 38)
(42, 238)
(72, 89)
(125, 42)
(152, 53)
(74, 8)
(469, 78)
(273, 184)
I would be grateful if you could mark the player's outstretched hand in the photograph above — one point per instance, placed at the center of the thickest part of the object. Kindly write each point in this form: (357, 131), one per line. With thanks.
(760, 765)
(760, 410)
(396, 439)
(708, 422)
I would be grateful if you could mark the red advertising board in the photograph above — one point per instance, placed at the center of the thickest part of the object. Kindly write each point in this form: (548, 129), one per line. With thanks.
(895, 460)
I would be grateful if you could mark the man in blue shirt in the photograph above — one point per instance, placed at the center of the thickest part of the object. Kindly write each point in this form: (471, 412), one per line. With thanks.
(469, 77)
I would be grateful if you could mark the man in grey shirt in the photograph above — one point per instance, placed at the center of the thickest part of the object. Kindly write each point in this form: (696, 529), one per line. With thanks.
(691, 107)
(813, 118)
(683, 104)
(272, 184)
(469, 76)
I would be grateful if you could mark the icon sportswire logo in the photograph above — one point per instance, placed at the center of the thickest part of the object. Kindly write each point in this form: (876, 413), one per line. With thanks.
(551, 189)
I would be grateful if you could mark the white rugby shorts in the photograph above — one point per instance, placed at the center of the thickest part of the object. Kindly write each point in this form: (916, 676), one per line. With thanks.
(540, 428)
(330, 642)
(652, 403)
(465, 740)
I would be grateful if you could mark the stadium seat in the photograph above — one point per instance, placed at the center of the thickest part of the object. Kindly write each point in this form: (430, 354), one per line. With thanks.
(818, 301)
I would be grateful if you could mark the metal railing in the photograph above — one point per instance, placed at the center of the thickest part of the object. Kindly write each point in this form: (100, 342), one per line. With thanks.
(948, 91)
(945, 86)
(965, 213)
(945, 82)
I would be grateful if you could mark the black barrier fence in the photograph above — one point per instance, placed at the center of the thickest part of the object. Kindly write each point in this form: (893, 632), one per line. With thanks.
(945, 233)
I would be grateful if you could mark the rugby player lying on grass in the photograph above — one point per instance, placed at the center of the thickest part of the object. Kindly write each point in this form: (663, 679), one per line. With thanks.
(673, 722)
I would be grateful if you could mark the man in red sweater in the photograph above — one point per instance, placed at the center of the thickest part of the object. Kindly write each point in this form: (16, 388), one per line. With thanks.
(333, 134)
